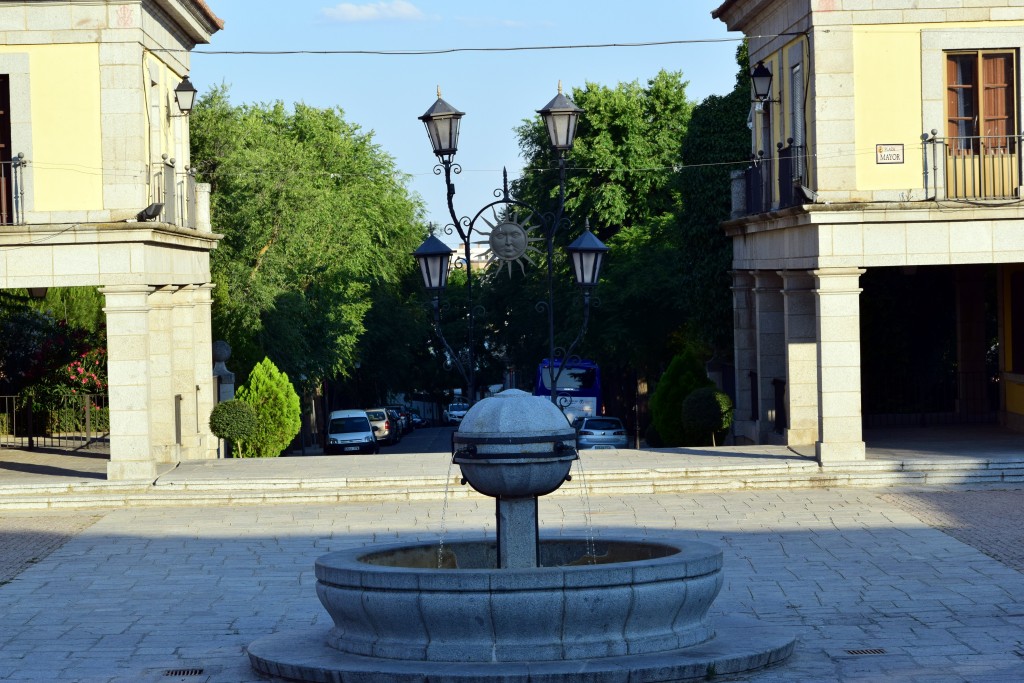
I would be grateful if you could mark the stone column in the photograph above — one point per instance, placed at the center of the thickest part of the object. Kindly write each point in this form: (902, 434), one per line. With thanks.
(771, 351)
(840, 425)
(801, 357)
(744, 356)
(184, 371)
(128, 370)
(206, 445)
(163, 445)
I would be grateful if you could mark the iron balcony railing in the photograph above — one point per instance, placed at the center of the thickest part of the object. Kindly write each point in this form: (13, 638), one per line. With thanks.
(12, 191)
(176, 191)
(772, 182)
(972, 167)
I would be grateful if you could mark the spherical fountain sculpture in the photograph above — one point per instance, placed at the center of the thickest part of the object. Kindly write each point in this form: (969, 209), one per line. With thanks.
(519, 608)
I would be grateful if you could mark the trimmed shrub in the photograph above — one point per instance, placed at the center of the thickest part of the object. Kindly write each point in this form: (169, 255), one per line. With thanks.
(684, 374)
(278, 415)
(706, 412)
(233, 420)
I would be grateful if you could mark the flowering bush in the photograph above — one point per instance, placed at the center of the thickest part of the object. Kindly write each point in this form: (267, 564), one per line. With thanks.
(88, 373)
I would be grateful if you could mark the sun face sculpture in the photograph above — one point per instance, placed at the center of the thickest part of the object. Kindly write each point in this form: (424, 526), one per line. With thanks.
(510, 241)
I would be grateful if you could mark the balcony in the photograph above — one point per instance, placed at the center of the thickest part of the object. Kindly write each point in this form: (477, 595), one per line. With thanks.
(973, 167)
(176, 191)
(775, 182)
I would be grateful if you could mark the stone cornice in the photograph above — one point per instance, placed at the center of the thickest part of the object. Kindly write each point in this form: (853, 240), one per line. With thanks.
(861, 213)
(165, 234)
(193, 17)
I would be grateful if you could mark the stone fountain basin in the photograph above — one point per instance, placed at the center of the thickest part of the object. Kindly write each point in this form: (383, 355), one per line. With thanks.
(587, 599)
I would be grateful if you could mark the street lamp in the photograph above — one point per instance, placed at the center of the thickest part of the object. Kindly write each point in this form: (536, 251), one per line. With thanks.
(761, 79)
(560, 117)
(185, 95)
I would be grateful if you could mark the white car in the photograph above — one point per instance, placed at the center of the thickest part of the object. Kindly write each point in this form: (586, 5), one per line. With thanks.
(454, 413)
(349, 431)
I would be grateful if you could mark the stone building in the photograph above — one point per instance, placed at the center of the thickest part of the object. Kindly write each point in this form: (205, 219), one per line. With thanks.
(96, 191)
(885, 175)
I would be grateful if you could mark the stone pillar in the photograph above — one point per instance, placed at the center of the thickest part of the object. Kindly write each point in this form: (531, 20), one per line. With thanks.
(744, 424)
(206, 392)
(840, 425)
(801, 357)
(771, 352)
(971, 344)
(128, 371)
(163, 444)
(183, 366)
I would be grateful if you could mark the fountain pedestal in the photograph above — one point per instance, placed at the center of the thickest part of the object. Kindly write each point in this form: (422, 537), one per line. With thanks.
(519, 609)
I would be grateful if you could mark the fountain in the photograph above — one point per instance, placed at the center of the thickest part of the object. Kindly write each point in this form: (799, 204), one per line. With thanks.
(519, 608)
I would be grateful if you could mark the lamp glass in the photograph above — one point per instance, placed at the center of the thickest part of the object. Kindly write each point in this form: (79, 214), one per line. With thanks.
(434, 269)
(761, 78)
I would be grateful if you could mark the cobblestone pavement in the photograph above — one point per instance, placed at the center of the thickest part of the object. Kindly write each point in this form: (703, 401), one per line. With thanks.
(876, 585)
(991, 521)
(27, 538)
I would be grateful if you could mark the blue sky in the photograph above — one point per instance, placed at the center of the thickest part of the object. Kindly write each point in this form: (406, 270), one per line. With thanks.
(497, 90)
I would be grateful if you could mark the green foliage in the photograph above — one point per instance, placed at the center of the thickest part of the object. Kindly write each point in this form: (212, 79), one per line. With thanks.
(35, 347)
(276, 405)
(314, 215)
(706, 412)
(685, 374)
(234, 420)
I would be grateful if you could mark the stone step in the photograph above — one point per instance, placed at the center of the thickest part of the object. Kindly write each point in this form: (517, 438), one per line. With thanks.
(640, 481)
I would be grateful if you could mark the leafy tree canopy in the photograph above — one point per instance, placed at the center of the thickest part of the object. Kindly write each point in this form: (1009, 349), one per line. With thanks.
(313, 213)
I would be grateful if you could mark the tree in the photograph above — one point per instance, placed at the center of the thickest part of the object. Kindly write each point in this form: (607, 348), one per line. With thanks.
(313, 214)
(684, 375)
(622, 178)
(706, 412)
(278, 416)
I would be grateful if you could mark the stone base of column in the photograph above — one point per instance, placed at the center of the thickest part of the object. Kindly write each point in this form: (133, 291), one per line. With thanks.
(130, 470)
(835, 452)
(801, 437)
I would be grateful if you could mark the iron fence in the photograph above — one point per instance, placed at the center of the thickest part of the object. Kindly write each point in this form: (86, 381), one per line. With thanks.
(78, 421)
(972, 167)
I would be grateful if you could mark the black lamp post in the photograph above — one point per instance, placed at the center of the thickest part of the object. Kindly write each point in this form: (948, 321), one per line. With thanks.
(560, 117)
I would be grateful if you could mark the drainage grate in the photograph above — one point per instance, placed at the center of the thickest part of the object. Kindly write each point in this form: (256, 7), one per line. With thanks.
(183, 672)
(869, 651)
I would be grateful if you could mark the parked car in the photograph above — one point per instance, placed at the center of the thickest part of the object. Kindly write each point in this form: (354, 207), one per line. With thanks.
(405, 418)
(419, 421)
(349, 431)
(454, 413)
(600, 432)
(399, 422)
(385, 427)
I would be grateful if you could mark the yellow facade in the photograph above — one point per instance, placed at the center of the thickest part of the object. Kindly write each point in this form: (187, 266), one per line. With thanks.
(888, 96)
(67, 158)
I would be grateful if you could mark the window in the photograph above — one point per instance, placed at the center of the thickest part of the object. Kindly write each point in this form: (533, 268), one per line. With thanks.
(981, 124)
(980, 100)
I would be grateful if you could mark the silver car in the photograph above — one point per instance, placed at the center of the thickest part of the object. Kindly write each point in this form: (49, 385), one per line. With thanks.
(600, 432)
